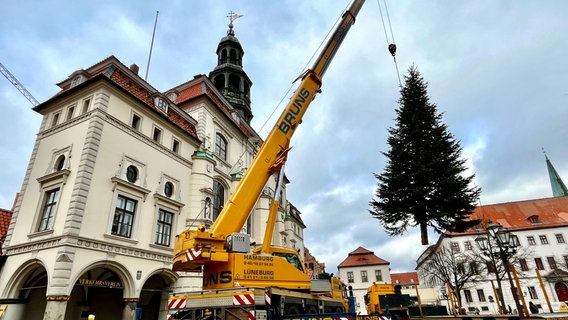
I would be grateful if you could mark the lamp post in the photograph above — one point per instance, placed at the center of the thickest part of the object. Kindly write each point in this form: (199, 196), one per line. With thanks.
(500, 243)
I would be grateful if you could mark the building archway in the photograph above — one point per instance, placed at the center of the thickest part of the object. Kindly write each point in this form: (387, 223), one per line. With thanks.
(27, 291)
(154, 294)
(98, 291)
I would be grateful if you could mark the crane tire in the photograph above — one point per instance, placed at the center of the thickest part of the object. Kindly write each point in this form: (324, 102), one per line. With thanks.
(291, 310)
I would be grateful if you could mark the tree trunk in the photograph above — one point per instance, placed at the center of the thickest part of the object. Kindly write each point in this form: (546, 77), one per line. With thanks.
(424, 232)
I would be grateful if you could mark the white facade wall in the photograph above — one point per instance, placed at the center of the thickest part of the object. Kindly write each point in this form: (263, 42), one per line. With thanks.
(528, 279)
(98, 144)
(360, 285)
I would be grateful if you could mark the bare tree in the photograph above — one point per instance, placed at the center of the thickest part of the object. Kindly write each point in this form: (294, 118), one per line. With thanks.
(456, 269)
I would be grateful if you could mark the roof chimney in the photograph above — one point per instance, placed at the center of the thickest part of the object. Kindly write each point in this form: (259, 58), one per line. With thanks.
(134, 68)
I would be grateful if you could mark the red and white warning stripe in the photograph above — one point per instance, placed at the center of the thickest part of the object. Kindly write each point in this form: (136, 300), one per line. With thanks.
(252, 315)
(169, 317)
(176, 303)
(243, 299)
(350, 318)
(267, 297)
(193, 254)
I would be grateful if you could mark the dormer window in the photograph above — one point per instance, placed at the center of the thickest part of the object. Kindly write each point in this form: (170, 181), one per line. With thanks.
(76, 81)
(172, 96)
(161, 104)
(533, 219)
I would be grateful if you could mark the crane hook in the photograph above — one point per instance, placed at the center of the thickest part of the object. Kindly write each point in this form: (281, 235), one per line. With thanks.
(392, 49)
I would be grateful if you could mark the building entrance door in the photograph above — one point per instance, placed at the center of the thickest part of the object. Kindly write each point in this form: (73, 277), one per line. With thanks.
(561, 291)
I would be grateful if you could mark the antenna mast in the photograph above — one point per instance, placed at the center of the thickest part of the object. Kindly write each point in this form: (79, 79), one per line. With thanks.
(151, 46)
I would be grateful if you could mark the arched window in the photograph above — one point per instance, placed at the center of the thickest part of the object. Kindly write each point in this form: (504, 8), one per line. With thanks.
(60, 163)
(221, 146)
(219, 198)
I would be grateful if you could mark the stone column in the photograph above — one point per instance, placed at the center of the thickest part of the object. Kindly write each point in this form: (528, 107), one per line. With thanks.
(163, 313)
(55, 307)
(129, 311)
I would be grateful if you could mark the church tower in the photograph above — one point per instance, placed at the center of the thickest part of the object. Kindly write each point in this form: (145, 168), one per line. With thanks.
(558, 187)
(229, 76)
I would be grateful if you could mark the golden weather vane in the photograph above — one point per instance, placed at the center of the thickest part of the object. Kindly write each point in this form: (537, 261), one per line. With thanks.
(232, 17)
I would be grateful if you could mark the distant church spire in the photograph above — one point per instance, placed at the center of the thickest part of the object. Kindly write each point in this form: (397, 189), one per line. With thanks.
(558, 187)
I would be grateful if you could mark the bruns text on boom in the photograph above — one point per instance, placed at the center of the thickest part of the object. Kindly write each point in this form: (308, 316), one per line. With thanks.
(294, 110)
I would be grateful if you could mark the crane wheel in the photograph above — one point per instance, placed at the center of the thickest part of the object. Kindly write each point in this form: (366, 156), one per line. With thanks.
(291, 310)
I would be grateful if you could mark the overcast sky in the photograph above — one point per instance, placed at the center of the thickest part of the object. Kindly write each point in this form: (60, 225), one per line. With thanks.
(496, 69)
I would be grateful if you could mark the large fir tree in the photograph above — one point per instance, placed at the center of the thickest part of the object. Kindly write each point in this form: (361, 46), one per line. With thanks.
(423, 183)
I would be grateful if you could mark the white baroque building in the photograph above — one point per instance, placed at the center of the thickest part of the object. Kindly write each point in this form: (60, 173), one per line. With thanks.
(541, 226)
(117, 170)
(360, 270)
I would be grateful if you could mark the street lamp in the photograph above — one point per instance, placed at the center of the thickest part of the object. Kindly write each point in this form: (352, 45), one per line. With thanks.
(501, 243)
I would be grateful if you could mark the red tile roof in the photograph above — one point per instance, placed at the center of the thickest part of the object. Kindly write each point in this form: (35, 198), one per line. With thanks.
(522, 215)
(5, 217)
(130, 81)
(199, 87)
(405, 278)
(362, 257)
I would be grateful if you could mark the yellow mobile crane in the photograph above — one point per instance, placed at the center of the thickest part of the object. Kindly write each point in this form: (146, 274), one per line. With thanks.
(225, 256)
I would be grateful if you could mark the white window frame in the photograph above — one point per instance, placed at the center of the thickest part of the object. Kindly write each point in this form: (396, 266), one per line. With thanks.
(53, 211)
(122, 190)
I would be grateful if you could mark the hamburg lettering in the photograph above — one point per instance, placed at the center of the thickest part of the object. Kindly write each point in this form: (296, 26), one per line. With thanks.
(259, 258)
(293, 111)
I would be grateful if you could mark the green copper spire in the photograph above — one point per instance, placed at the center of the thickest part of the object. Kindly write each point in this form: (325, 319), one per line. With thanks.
(558, 187)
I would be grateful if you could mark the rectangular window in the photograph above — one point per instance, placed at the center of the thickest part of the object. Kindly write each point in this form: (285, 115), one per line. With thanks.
(364, 276)
(539, 264)
(70, 112)
(123, 216)
(455, 247)
(378, 275)
(532, 293)
(524, 265)
(490, 267)
(473, 267)
(350, 278)
(543, 239)
(560, 238)
(157, 135)
(86, 105)
(467, 295)
(175, 146)
(467, 245)
(164, 227)
(461, 268)
(551, 263)
(55, 119)
(480, 295)
(531, 241)
(221, 146)
(48, 210)
(566, 261)
(135, 122)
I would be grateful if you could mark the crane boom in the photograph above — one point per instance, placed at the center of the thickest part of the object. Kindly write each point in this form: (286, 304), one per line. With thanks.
(269, 159)
(272, 154)
(18, 85)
